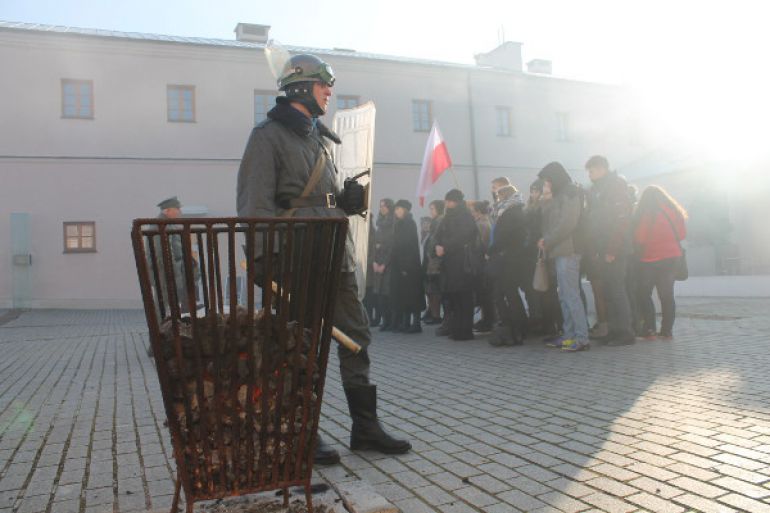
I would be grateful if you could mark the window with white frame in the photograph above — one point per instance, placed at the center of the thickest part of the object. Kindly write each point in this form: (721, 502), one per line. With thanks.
(77, 99)
(503, 118)
(422, 115)
(181, 103)
(263, 102)
(79, 237)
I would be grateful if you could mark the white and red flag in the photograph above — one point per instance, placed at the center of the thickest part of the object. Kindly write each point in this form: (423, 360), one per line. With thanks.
(434, 163)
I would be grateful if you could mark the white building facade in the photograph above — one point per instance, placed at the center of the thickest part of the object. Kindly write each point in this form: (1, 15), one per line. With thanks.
(98, 127)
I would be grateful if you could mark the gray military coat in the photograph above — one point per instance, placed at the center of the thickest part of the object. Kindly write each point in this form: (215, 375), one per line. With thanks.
(277, 163)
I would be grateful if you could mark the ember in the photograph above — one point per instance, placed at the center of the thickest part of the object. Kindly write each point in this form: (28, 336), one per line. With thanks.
(228, 440)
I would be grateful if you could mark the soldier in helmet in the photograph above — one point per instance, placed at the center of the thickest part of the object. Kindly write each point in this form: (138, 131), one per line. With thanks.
(282, 154)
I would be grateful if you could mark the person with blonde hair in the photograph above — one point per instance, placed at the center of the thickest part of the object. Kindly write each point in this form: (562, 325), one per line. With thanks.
(659, 228)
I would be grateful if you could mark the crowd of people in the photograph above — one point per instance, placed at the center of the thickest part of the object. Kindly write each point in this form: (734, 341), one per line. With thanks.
(477, 256)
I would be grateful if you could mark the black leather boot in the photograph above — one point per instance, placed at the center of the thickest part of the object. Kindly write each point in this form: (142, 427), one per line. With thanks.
(367, 433)
(400, 322)
(387, 321)
(414, 326)
(325, 454)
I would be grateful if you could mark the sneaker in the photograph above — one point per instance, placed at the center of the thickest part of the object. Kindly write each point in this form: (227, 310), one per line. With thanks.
(558, 343)
(649, 336)
(482, 327)
(665, 336)
(573, 346)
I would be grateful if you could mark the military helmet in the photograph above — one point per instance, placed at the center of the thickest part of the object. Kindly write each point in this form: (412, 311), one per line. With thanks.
(305, 68)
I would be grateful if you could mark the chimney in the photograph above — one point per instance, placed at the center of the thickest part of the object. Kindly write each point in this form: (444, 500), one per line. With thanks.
(541, 66)
(507, 56)
(252, 33)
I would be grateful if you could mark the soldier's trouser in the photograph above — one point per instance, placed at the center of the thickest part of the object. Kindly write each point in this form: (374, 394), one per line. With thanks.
(350, 318)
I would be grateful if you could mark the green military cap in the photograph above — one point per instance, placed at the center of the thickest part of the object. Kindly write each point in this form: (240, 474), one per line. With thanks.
(171, 202)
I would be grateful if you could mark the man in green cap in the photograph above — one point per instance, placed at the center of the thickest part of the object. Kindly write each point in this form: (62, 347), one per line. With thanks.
(171, 208)
(282, 154)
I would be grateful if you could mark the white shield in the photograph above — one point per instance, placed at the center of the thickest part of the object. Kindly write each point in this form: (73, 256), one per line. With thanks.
(354, 156)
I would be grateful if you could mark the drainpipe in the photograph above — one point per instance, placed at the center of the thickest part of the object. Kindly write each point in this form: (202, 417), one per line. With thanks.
(472, 126)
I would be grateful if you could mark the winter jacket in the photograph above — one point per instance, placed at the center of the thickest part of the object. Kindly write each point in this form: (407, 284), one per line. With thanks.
(277, 164)
(406, 273)
(655, 237)
(383, 251)
(560, 220)
(609, 217)
(459, 237)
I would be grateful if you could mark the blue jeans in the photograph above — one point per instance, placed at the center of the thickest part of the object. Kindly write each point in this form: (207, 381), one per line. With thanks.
(568, 286)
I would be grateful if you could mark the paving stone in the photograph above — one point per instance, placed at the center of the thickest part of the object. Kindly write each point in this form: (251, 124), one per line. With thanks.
(521, 500)
(703, 505)
(563, 502)
(742, 487)
(698, 487)
(745, 504)
(609, 504)
(475, 497)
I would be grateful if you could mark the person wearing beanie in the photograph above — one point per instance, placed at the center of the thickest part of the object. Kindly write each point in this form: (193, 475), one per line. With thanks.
(484, 285)
(457, 243)
(407, 291)
(431, 265)
(507, 264)
(544, 310)
(383, 251)
(562, 209)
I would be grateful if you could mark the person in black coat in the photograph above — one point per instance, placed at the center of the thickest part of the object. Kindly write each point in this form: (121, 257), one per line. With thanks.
(508, 265)
(407, 291)
(457, 242)
(383, 248)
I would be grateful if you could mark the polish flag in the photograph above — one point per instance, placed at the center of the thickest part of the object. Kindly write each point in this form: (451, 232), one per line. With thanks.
(435, 162)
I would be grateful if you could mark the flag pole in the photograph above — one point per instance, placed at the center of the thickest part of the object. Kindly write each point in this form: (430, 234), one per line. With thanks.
(457, 183)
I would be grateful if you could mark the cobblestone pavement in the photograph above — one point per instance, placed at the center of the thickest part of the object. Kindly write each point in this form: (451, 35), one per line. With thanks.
(658, 426)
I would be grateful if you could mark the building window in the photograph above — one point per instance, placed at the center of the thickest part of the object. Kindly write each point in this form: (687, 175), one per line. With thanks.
(80, 237)
(263, 102)
(562, 126)
(181, 103)
(503, 115)
(422, 115)
(347, 102)
(77, 99)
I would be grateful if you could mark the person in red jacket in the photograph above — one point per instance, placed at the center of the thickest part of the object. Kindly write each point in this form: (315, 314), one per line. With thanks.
(659, 227)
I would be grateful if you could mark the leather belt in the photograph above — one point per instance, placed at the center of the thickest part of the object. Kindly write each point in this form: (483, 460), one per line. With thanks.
(328, 200)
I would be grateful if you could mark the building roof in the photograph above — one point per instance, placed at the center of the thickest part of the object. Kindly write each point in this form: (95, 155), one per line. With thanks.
(204, 41)
(233, 43)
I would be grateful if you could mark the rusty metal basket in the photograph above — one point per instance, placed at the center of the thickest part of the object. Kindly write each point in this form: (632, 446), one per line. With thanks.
(241, 367)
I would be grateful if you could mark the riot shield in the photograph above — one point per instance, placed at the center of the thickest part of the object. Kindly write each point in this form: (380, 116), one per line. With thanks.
(354, 156)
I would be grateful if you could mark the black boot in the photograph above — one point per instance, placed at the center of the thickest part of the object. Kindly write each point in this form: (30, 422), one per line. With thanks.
(367, 433)
(400, 322)
(325, 454)
(387, 321)
(415, 326)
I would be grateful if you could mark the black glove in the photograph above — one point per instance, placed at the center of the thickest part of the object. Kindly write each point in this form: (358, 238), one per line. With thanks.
(353, 198)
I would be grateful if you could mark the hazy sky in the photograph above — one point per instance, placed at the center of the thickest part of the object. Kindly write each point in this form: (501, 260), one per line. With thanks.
(695, 63)
(590, 39)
